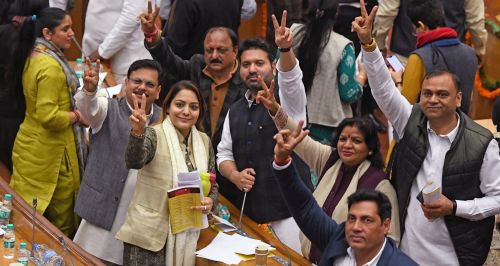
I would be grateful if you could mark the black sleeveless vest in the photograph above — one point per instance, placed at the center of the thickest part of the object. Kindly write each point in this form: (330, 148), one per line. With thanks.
(252, 131)
(462, 165)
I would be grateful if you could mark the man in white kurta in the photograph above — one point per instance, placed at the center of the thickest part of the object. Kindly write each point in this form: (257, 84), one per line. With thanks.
(113, 32)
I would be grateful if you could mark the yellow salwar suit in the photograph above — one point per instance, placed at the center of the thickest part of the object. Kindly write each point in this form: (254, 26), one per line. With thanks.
(45, 154)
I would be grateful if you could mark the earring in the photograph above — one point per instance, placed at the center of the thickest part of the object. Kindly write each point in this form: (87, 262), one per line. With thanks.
(370, 153)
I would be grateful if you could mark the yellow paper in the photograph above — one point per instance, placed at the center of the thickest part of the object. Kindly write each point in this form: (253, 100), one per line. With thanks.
(180, 201)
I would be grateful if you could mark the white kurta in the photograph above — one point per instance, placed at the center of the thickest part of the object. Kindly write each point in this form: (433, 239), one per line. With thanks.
(101, 242)
(112, 28)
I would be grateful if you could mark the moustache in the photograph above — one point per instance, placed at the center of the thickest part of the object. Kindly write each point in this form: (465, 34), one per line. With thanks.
(216, 61)
(252, 77)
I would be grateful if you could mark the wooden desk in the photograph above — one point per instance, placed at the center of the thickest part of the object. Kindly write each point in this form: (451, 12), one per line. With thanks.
(251, 228)
(45, 233)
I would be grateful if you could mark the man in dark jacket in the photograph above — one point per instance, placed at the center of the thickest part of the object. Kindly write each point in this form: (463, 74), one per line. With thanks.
(361, 240)
(215, 72)
(190, 20)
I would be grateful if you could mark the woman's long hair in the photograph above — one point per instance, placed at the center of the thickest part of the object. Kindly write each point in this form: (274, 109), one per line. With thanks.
(315, 35)
(13, 14)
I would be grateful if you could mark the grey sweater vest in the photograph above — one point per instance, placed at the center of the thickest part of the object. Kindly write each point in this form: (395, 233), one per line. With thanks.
(462, 165)
(105, 173)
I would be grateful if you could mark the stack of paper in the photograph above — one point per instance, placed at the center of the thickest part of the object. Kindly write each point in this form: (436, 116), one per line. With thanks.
(225, 248)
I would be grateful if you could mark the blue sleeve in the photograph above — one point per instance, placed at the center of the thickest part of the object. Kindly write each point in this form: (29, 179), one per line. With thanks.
(311, 219)
(349, 88)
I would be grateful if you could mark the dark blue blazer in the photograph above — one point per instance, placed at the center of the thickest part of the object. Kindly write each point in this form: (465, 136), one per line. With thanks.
(321, 229)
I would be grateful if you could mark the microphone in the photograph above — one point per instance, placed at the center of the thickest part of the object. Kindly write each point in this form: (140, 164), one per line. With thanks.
(65, 248)
(289, 263)
(78, 45)
(33, 219)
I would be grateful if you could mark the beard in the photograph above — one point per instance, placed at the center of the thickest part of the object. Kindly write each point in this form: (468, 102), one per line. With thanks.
(255, 86)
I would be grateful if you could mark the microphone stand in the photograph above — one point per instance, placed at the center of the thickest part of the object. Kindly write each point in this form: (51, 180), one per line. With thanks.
(35, 203)
(65, 248)
(240, 230)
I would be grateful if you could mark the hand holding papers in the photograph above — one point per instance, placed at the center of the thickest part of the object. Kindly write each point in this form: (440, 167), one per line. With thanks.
(180, 201)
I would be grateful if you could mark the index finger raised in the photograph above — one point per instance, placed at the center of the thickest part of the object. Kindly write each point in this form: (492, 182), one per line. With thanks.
(150, 6)
(364, 13)
(275, 23)
(88, 63)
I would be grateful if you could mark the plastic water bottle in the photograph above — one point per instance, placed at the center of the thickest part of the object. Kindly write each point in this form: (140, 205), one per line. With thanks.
(5, 211)
(79, 68)
(46, 256)
(9, 240)
(223, 211)
(23, 254)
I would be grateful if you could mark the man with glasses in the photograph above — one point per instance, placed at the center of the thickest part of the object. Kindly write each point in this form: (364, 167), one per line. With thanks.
(107, 185)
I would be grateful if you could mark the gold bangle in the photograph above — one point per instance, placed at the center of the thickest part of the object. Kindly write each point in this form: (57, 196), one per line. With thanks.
(139, 136)
(369, 46)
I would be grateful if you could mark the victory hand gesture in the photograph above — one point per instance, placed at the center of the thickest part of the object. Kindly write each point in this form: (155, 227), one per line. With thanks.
(363, 25)
(148, 20)
(138, 117)
(283, 36)
(287, 140)
(266, 96)
(91, 75)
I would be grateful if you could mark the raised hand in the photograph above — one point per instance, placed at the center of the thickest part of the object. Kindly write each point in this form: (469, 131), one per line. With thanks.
(91, 75)
(363, 25)
(266, 96)
(148, 19)
(138, 117)
(286, 141)
(283, 36)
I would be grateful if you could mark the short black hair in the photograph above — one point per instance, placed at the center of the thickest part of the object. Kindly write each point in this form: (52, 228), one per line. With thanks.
(147, 64)
(440, 72)
(383, 204)
(256, 43)
(430, 12)
(232, 35)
